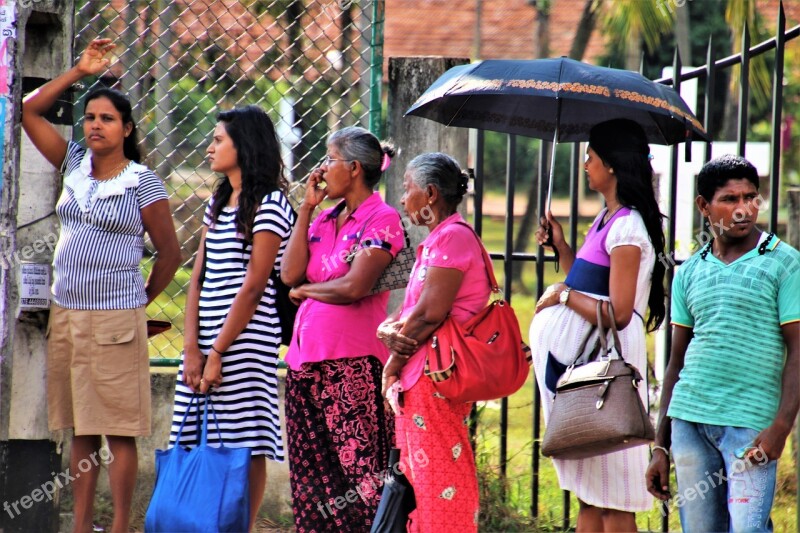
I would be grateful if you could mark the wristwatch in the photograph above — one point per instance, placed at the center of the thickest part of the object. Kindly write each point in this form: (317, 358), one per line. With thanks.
(564, 296)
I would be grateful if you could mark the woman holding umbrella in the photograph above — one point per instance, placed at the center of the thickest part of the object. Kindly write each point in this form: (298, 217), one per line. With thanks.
(622, 245)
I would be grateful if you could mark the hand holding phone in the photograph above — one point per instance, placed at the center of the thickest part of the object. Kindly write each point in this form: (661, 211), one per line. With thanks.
(741, 453)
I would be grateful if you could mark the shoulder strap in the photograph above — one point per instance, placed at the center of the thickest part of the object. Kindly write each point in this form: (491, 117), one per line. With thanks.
(486, 259)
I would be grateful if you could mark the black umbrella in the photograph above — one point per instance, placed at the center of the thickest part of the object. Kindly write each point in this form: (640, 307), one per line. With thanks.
(397, 499)
(555, 99)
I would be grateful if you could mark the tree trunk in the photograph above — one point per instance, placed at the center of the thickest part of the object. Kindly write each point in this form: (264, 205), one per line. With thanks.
(633, 51)
(585, 28)
(682, 33)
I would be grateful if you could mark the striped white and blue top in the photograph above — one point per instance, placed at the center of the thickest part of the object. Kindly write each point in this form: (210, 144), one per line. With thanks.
(97, 257)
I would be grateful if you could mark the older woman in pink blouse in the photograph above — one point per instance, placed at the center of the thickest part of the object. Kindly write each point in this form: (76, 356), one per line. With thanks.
(339, 433)
(448, 278)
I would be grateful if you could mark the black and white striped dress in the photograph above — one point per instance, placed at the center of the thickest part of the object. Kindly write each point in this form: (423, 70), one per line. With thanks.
(246, 403)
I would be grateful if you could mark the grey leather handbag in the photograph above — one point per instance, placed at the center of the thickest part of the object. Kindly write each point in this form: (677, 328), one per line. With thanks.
(597, 408)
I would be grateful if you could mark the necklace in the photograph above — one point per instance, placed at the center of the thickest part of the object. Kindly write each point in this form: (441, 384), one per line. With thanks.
(610, 214)
(113, 172)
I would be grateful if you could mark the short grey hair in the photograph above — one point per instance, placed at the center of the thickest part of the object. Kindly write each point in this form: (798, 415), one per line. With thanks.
(441, 171)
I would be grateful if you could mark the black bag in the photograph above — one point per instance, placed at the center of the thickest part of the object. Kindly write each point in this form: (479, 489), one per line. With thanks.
(285, 307)
(287, 310)
(397, 499)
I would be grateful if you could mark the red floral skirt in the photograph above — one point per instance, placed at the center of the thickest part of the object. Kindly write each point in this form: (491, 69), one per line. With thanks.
(437, 456)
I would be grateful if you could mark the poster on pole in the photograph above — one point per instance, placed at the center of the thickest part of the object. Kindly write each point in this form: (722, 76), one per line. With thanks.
(8, 32)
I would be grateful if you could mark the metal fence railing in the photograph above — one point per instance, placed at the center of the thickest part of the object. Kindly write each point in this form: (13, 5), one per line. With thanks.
(707, 76)
(314, 66)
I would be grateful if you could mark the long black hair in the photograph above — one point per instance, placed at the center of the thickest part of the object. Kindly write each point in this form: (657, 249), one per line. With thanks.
(622, 145)
(258, 155)
(130, 145)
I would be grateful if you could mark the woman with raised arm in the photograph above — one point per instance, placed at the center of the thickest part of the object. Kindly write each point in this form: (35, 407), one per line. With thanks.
(618, 262)
(98, 372)
(339, 433)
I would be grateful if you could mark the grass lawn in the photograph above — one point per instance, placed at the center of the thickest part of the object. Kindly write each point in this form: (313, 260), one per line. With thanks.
(515, 515)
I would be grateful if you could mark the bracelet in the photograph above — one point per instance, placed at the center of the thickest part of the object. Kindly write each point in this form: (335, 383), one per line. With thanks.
(215, 350)
(654, 448)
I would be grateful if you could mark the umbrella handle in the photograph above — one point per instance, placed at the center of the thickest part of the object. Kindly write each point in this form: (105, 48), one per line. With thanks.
(549, 242)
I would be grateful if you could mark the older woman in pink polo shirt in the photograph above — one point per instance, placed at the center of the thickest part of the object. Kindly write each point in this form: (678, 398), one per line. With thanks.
(448, 278)
(338, 431)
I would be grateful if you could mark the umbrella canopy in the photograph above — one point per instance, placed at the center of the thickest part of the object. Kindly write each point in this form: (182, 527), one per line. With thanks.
(544, 97)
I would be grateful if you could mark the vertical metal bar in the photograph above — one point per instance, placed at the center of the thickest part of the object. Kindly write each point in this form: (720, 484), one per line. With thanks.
(477, 221)
(744, 92)
(376, 67)
(574, 176)
(673, 187)
(537, 399)
(710, 80)
(777, 119)
(511, 176)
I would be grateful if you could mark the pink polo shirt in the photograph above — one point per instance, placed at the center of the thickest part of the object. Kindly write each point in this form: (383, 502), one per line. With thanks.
(449, 245)
(323, 331)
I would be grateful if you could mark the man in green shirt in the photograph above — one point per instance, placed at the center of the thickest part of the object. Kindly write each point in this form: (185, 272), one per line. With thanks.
(730, 393)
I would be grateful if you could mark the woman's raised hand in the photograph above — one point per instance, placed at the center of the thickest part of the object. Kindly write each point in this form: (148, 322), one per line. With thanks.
(315, 195)
(555, 231)
(93, 60)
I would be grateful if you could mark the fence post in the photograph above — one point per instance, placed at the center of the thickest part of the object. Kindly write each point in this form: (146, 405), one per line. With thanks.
(793, 238)
(793, 228)
(41, 49)
(409, 77)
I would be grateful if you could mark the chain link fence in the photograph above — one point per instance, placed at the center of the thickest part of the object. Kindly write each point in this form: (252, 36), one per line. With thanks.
(314, 66)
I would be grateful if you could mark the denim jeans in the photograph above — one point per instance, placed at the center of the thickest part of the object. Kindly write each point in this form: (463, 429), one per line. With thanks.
(717, 492)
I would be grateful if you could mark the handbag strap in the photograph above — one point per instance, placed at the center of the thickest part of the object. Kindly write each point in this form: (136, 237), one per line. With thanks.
(185, 417)
(364, 229)
(486, 259)
(204, 434)
(603, 331)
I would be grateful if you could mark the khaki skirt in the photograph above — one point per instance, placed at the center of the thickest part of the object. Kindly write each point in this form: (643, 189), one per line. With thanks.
(98, 372)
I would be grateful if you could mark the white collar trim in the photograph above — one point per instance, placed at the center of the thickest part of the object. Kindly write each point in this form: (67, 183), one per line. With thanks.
(80, 181)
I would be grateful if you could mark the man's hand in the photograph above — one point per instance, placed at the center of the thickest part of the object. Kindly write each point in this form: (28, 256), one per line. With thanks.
(769, 443)
(657, 475)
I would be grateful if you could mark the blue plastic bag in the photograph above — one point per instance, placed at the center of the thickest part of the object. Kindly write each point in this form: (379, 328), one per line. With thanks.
(200, 490)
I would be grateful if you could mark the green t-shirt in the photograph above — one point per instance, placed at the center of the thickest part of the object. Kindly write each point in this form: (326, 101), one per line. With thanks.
(734, 363)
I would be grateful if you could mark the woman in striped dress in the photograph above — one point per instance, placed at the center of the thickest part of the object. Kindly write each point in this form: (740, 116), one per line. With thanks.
(98, 373)
(232, 332)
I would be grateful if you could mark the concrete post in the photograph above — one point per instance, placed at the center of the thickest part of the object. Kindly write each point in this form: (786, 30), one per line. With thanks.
(409, 77)
(35, 42)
